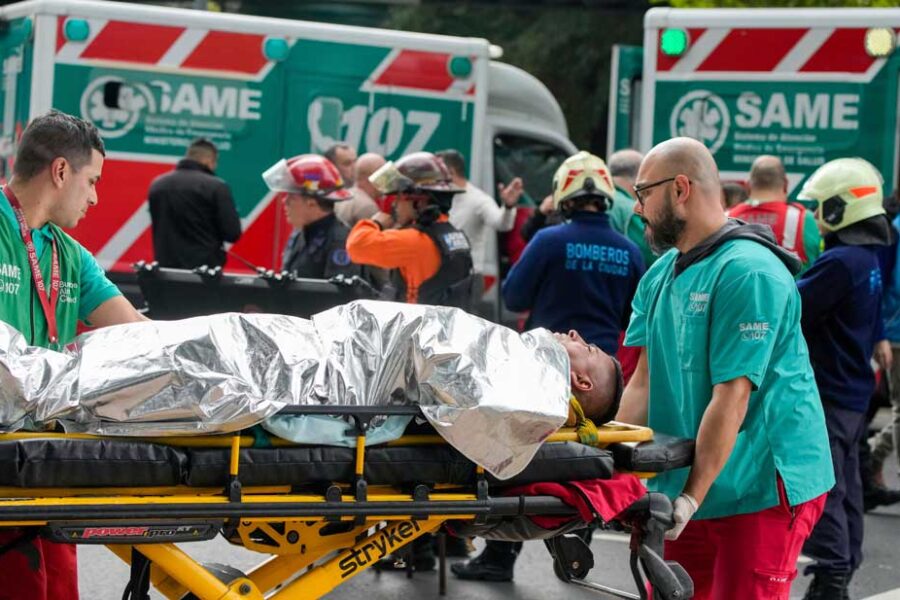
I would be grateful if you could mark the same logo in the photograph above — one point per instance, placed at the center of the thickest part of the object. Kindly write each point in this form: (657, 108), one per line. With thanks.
(703, 116)
(115, 106)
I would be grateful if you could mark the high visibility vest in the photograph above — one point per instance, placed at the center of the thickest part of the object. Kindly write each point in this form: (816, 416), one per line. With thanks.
(785, 218)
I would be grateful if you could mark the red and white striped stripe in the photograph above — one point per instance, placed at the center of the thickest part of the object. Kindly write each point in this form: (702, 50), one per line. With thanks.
(419, 73)
(751, 54)
(191, 50)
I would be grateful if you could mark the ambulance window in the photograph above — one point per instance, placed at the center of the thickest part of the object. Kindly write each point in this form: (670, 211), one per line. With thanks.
(535, 161)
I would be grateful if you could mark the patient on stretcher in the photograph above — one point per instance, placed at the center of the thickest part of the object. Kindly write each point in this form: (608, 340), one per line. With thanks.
(494, 395)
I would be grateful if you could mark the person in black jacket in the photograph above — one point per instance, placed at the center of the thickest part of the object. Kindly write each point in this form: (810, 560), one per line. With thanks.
(192, 213)
(311, 185)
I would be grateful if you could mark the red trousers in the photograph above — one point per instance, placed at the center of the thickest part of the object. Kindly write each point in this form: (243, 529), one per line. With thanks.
(746, 557)
(37, 570)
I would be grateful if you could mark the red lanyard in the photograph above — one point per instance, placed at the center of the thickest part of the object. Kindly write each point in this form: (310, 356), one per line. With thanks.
(48, 304)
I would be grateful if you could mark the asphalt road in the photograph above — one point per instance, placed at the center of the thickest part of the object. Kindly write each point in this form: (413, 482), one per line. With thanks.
(103, 576)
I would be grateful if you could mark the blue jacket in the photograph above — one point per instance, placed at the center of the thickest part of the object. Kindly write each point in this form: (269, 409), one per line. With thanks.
(841, 321)
(578, 275)
(891, 278)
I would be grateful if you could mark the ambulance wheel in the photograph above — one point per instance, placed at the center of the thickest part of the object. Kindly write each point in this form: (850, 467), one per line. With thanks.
(223, 573)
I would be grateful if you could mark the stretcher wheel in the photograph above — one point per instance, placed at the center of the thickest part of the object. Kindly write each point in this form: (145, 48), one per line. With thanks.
(578, 571)
(223, 573)
(572, 557)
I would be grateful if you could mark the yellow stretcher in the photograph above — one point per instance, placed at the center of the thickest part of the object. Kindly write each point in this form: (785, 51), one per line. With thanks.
(318, 534)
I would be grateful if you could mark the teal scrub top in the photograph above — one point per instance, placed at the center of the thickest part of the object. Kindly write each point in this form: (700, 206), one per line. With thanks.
(735, 313)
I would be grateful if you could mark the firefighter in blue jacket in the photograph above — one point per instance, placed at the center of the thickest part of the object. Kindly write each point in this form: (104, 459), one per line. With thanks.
(581, 274)
(841, 295)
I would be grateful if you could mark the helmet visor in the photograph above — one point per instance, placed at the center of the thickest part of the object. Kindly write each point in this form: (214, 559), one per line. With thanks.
(389, 180)
(278, 178)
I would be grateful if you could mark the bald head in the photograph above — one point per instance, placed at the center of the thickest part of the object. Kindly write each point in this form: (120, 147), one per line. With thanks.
(623, 166)
(681, 197)
(767, 175)
(625, 163)
(687, 156)
(367, 164)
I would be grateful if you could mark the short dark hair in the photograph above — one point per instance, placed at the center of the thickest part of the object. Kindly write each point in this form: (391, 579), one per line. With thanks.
(326, 205)
(454, 161)
(201, 148)
(582, 202)
(601, 403)
(734, 193)
(53, 135)
(331, 153)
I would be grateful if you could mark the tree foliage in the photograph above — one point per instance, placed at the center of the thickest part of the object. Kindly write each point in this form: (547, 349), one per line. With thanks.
(568, 49)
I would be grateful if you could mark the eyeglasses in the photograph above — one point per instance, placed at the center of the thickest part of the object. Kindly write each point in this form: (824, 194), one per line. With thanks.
(640, 189)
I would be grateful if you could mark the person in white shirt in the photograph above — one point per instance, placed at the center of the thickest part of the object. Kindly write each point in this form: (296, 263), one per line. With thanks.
(480, 217)
(362, 205)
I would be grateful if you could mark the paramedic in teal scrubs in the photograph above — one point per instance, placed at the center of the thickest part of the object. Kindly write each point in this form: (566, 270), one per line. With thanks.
(724, 362)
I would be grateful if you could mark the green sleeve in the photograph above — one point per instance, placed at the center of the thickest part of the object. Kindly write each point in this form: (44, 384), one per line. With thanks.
(616, 217)
(747, 315)
(95, 287)
(812, 239)
(621, 211)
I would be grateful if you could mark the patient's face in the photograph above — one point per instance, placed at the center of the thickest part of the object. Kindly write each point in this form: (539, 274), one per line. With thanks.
(582, 356)
(593, 374)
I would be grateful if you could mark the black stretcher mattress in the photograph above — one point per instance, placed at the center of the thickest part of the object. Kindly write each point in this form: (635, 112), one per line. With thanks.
(56, 462)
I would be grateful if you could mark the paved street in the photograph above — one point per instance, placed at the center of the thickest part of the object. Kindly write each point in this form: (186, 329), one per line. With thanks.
(103, 576)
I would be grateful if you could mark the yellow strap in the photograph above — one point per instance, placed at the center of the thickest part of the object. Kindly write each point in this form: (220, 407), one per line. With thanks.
(360, 455)
(584, 427)
(235, 454)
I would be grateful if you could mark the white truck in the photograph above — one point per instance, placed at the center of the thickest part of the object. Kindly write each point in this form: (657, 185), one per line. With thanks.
(807, 85)
(152, 79)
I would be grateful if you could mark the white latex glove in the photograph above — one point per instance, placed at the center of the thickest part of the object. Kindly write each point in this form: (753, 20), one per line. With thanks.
(684, 508)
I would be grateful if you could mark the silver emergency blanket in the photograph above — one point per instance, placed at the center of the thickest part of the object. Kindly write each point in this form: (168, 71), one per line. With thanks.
(212, 374)
(492, 393)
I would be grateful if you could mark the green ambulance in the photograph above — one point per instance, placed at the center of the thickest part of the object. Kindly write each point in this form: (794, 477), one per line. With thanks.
(154, 78)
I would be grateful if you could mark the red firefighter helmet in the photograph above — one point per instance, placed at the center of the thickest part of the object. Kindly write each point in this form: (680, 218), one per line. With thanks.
(417, 174)
(308, 175)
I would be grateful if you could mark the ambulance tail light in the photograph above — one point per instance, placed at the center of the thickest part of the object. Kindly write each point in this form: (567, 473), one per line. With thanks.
(673, 42)
(880, 42)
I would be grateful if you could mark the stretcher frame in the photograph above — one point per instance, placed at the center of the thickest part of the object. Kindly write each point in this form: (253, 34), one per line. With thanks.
(317, 540)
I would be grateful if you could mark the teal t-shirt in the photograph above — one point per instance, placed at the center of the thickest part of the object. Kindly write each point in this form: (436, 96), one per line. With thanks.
(734, 313)
(94, 287)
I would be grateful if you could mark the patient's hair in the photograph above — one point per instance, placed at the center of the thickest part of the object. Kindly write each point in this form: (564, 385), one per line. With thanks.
(601, 403)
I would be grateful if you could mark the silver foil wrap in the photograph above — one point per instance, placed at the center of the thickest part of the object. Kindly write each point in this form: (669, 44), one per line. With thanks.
(212, 374)
(492, 393)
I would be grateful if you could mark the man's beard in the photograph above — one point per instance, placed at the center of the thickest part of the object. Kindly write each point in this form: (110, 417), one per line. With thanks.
(666, 232)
